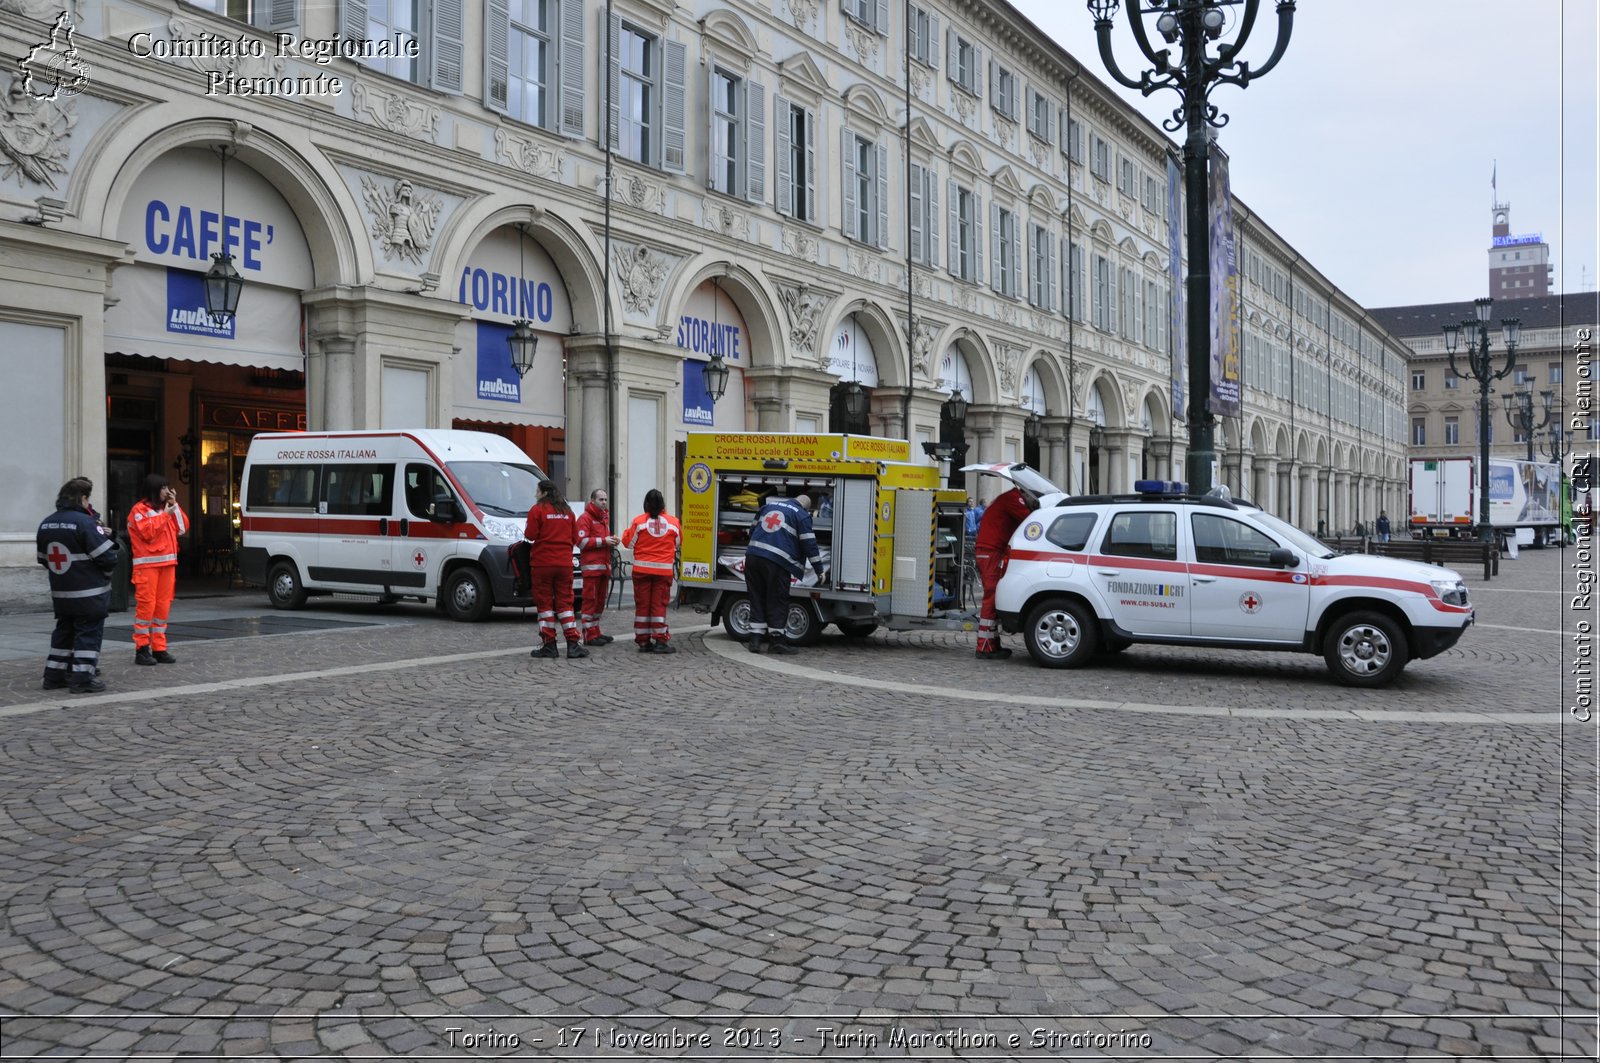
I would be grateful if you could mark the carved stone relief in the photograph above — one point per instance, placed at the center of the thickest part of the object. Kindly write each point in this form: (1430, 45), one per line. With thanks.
(802, 12)
(920, 79)
(862, 41)
(402, 221)
(922, 346)
(1006, 312)
(636, 192)
(396, 112)
(721, 218)
(641, 272)
(966, 299)
(965, 105)
(530, 156)
(243, 66)
(861, 264)
(34, 134)
(804, 307)
(38, 10)
(1005, 131)
(801, 244)
(1043, 154)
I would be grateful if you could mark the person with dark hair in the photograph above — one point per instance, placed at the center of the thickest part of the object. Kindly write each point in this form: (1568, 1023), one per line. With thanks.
(550, 536)
(74, 549)
(594, 560)
(655, 538)
(154, 524)
(782, 542)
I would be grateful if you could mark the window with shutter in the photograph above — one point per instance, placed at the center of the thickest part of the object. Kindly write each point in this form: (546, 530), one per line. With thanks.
(726, 127)
(880, 166)
(518, 54)
(755, 141)
(571, 67)
(674, 106)
(851, 189)
(447, 49)
(387, 19)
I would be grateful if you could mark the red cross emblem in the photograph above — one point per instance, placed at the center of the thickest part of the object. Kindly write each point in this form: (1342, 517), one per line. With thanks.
(419, 558)
(1249, 603)
(772, 521)
(57, 559)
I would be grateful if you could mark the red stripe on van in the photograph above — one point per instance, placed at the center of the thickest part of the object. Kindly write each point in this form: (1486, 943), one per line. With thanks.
(367, 527)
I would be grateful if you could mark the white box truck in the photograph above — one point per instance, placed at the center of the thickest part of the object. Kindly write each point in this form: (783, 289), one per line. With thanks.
(1524, 498)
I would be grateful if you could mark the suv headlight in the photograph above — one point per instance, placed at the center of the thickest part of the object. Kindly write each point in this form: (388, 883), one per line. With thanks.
(502, 530)
(1451, 592)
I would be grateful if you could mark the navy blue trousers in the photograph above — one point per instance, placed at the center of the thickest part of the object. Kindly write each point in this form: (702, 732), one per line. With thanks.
(768, 584)
(74, 650)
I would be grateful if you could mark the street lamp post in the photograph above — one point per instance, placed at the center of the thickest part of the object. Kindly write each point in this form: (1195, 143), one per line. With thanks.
(1191, 24)
(1519, 412)
(1481, 369)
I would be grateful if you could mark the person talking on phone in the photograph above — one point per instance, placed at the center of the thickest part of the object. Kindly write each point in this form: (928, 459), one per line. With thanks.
(154, 525)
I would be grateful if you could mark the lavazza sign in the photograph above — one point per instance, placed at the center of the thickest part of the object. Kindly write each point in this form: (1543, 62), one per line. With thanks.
(320, 51)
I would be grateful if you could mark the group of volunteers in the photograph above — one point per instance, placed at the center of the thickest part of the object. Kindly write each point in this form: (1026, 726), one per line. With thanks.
(78, 552)
(80, 555)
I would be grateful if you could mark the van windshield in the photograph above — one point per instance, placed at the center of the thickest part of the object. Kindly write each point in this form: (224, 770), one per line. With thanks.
(500, 488)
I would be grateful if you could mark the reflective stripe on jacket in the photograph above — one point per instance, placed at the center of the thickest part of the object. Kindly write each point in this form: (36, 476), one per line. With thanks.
(782, 534)
(153, 534)
(594, 527)
(654, 542)
(79, 558)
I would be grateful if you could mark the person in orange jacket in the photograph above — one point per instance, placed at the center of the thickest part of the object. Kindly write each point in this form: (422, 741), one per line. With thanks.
(154, 525)
(654, 537)
(594, 559)
(550, 535)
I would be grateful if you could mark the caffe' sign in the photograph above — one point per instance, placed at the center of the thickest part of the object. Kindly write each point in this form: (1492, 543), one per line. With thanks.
(253, 418)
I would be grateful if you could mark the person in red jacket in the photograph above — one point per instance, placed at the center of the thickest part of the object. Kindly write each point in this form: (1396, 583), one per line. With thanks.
(154, 525)
(594, 560)
(654, 538)
(550, 534)
(1000, 521)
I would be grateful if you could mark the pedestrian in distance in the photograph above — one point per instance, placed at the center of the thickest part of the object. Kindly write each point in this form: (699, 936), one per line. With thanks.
(655, 537)
(595, 543)
(1383, 526)
(79, 556)
(781, 544)
(975, 511)
(154, 524)
(550, 534)
(1000, 521)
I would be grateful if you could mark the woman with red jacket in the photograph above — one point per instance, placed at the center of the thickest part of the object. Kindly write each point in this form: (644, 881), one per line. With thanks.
(654, 538)
(550, 535)
(154, 525)
(594, 561)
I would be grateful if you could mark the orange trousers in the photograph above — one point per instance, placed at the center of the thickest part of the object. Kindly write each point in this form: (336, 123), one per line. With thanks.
(152, 601)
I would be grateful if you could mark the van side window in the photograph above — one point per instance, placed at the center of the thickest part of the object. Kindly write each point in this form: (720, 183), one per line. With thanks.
(1141, 533)
(282, 487)
(425, 485)
(359, 490)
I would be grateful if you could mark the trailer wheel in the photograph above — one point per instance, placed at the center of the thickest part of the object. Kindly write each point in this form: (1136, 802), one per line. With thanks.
(736, 617)
(805, 626)
(467, 596)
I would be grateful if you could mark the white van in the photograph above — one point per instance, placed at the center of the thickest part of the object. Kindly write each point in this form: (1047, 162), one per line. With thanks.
(426, 513)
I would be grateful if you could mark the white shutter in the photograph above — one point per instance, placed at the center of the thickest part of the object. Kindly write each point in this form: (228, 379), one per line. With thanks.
(952, 60)
(882, 25)
(1049, 122)
(781, 145)
(977, 239)
(994, 85)
(353, 19)
(883, 196)
(918, 203)
(955, 227)
(276, 16)
(811, 166)
(933, 41)
(1035, 279)
(1049, 271)
(448, 50)
(755, 141)
(716, 161)
(496, 54)
(570, 62)
(1111, 296)
(994, 247)
(674, 97)
(932, 184)
(847, 143)
(613, 74)
(976, 77)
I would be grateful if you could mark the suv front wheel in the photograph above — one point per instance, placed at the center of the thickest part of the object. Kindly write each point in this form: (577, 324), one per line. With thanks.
(1365, 650)
(1061, 633)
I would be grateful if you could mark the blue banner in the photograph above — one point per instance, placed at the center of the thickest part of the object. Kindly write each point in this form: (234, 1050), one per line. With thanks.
(497, 378)
(186, 307)
(697, 405)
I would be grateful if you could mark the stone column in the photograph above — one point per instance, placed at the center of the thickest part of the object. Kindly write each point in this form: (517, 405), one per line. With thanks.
(1053, 444)
(587, 375)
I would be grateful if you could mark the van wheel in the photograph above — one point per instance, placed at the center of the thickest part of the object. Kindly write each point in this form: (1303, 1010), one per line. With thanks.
(856, 629)
(1365, 649)
(466, 595)
(284, 589)
(736, 617)
(1061, 633)
(804, 627)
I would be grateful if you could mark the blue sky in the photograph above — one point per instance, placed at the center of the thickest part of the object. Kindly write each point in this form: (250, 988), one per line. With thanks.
(1370, 147)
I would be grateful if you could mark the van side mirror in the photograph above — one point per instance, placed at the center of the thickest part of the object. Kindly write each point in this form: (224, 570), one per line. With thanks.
(1283, 557)
(445, 511)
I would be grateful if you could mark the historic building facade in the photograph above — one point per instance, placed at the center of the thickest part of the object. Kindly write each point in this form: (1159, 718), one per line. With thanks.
(817, 191)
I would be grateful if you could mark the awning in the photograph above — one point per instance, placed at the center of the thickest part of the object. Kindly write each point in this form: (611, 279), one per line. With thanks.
(160, 313)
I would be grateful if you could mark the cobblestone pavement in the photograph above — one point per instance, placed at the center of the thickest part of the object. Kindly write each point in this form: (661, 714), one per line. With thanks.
(399, 837)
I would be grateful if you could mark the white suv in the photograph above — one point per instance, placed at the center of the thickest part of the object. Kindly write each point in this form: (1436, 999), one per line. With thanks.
(1100, 573)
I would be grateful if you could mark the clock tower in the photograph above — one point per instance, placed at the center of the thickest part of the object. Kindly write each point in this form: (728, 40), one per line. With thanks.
(1519, 265)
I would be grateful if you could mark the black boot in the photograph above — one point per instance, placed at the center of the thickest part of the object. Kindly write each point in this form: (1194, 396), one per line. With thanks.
(575, 650)
(754, 645)
(143, 656)
(163, 657)
(781, 648)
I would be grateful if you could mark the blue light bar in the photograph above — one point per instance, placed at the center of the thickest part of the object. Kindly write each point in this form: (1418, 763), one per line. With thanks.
(1161, 487)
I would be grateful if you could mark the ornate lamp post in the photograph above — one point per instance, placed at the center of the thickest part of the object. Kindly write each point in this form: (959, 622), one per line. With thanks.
(1192, 24)
(1519, 412)
(1558, 444)
(1481, 369)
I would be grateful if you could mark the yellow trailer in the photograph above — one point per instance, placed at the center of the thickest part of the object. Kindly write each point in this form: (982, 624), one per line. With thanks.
(893, 538)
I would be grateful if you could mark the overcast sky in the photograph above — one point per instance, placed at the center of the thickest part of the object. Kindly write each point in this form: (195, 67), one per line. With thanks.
(1370, 147)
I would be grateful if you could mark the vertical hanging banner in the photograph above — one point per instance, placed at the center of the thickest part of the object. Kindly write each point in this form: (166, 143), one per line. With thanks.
(1226, 363)
(497, 378)
(1178, 364)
